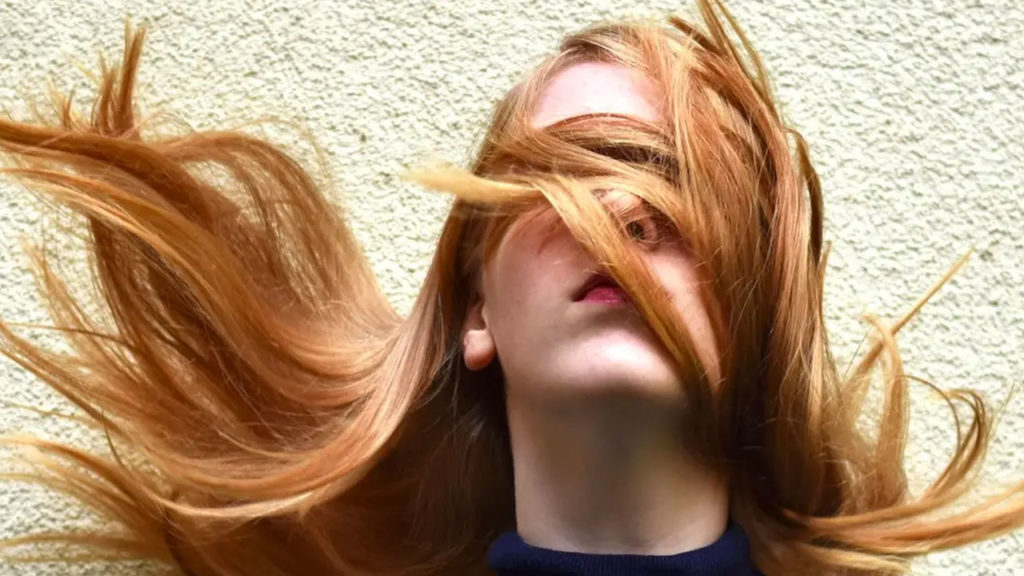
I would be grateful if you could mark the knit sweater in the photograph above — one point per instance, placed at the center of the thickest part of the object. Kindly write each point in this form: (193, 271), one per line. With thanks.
(509, 555)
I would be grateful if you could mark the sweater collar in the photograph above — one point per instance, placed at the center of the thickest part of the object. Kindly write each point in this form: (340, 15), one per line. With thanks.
(509, 555)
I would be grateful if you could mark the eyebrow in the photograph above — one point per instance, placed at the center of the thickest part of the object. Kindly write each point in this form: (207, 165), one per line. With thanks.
(633, 153)
(590, 117)
(623, 151)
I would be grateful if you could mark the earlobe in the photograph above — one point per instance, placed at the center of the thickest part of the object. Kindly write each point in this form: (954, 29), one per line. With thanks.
(478, 349)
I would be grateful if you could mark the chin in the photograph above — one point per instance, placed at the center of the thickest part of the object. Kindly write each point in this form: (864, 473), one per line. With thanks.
(622, 370)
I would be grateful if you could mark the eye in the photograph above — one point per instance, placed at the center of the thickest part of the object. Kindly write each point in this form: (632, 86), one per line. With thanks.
(646, 230)
(654, 229)
(641, 230)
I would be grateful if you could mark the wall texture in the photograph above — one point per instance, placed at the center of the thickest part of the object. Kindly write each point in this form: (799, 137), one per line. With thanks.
(912, 110)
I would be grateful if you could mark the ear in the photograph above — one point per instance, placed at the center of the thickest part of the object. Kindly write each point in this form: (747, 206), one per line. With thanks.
(478, 349)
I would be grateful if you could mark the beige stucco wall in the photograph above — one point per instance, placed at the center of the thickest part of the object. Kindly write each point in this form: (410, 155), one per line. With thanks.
(912, 110)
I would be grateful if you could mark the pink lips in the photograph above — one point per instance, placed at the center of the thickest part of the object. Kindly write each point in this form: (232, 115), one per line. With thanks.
(606, 294)
(600, 288)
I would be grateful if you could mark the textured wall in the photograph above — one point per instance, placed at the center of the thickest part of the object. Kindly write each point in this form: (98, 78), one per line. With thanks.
(912, 110)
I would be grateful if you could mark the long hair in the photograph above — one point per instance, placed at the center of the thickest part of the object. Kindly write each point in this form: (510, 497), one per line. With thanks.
(268, 412)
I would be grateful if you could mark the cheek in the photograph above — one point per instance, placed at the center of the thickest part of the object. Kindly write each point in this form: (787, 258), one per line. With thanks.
(529, 282)
(677, 270)
(685, 290)
(525, 283)
(533, 262)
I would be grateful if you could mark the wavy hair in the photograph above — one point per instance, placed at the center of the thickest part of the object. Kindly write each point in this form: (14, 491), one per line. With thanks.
(268, 412)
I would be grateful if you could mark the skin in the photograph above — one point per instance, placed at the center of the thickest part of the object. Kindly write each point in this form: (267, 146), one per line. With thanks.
(594, 402)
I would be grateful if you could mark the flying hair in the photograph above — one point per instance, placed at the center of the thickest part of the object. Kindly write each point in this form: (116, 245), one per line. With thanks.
(269, 412)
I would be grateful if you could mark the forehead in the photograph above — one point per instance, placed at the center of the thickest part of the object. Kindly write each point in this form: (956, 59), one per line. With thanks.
(595, 88)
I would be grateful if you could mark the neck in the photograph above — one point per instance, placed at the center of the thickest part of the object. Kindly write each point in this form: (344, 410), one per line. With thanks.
(611, 479)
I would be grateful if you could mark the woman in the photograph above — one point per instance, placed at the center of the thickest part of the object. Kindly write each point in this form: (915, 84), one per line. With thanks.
(617, 363)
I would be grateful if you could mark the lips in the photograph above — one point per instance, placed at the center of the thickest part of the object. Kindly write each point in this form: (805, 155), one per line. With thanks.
(594, 281)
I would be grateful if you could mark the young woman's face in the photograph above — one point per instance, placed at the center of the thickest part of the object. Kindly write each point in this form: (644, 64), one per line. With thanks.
(548, 342)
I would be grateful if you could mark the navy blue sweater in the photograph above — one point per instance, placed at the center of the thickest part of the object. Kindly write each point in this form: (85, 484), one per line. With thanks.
(509, 555)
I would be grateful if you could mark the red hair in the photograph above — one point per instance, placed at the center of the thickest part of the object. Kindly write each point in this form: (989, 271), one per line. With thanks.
(270, 413)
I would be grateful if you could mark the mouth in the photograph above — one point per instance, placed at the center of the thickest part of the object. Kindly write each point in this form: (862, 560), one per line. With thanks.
(600, 287)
